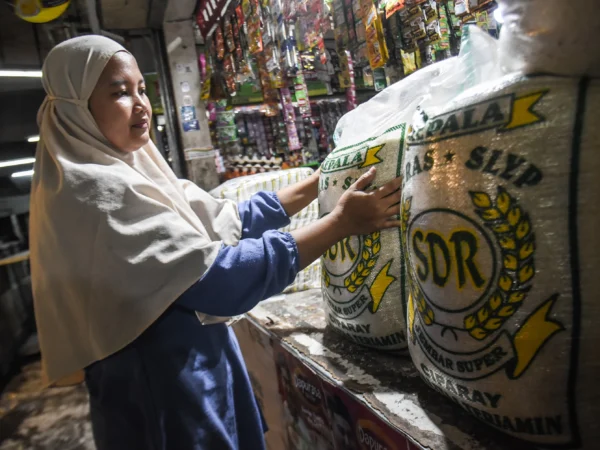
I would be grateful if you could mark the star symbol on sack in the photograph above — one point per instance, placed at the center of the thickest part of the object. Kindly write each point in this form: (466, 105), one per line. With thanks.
(449, 157)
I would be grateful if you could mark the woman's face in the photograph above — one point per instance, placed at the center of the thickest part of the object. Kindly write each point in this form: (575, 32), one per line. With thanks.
(120, 106)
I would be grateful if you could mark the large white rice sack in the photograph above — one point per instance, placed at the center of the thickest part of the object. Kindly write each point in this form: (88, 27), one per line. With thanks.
(501, 212)
(363, 276)
(500, 233)
(243, 188)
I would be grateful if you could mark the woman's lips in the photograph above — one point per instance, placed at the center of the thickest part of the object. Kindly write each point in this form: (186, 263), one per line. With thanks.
(142, 125)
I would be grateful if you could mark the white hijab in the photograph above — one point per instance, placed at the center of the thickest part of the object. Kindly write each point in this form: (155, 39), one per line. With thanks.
(115, 238)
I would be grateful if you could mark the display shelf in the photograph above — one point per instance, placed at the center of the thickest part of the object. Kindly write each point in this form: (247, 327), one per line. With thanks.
(389, 386)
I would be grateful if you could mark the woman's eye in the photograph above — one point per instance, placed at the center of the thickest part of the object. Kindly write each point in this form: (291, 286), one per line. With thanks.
(143, 91)
(121, 93)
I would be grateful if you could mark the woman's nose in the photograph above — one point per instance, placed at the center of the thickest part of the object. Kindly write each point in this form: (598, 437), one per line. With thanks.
(139, 105)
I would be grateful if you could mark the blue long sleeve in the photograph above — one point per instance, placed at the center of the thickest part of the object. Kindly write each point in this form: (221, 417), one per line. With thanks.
(187, 385)
(242, 276)
(261, 213)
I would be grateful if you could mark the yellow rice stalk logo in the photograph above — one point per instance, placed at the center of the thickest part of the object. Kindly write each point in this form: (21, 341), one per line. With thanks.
(512, 274)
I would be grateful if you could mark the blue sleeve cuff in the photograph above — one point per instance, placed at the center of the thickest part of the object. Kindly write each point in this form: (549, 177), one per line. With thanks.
(291, 244)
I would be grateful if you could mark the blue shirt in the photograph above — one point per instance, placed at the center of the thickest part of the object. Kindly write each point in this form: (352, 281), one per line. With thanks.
(182, 385)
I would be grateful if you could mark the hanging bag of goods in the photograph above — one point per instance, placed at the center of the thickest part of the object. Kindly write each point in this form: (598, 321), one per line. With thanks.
(500, 212)
(363, 280)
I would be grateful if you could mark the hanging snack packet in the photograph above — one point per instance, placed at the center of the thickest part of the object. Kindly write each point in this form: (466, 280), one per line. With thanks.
(219, 43)
(237, 39)
(417, 28)
(255, 43)
(430, 11)
(302, 95)
(392, 6)
(229, 39)
(444, 43)
(376, 46)
(289, 117)
(270, 97)
(408, 62)
(433, 32)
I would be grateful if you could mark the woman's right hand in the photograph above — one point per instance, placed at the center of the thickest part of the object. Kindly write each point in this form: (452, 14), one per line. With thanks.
(360, 212)
(357, 212)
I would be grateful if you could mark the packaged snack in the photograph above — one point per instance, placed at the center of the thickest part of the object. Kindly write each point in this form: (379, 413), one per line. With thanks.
(292, 63)
(393, 6)
(301, 92)
(429, 9)
(444, 27)
(409, 63)
(253, 20)
(361, 36)
(376, 46)
(225, 118)
(229, 39)
(219, 43)
(270, 96)
(289, 117)
(351, 102)
(237, 34)
(434, 33)
(417, 28)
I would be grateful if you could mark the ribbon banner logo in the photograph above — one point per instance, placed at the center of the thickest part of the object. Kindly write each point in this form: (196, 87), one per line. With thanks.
(466, 278)
(361, 158)
(503, 113)
(346, 268)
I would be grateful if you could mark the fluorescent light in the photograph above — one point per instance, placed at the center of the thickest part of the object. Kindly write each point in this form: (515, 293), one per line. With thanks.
(21, 73)
(33, 139)
(17, 162)
(26, 173)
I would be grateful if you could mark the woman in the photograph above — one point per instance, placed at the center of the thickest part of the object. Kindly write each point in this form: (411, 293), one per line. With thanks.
(126, 259)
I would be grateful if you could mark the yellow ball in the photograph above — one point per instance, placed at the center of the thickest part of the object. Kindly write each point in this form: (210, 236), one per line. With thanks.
(40, 11)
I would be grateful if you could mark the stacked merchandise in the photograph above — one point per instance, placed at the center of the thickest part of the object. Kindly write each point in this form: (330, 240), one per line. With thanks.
(242, 189)
(282, 53)
(390, 39)
(249, 141)
(275, 44)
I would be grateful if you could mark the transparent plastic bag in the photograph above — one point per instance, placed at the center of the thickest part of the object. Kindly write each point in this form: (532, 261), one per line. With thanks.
(427, 88)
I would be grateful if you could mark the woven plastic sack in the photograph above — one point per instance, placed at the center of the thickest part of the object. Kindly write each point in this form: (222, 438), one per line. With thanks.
(500, 232)
(243, 188)
(363, 276)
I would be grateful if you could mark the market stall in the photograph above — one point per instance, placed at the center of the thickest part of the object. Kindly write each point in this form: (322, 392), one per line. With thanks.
(478, 294)
(277, 75)
(321, 391)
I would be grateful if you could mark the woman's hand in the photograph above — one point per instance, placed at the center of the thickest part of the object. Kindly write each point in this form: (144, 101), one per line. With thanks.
(360, 212)
(357, 212)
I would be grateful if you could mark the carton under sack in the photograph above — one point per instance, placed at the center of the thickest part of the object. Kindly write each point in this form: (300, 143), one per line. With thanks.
(243, 188)
(500, 220)
(363, 279)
